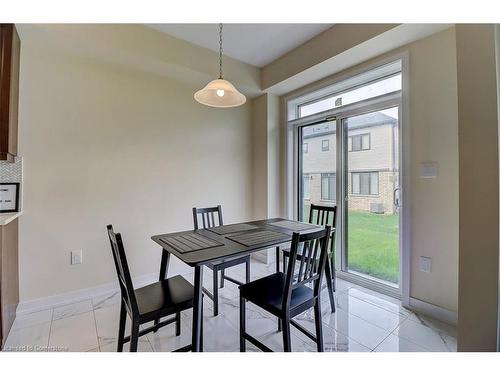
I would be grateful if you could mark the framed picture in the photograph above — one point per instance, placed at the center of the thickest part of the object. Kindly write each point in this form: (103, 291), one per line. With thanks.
(9, 197)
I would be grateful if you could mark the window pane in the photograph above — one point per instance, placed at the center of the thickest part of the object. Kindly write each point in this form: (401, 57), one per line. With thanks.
(316, 166)
(365, 141)
(324, 187)
(370, 90)
(307, 187)
(356, 143)
(365, 183)
(349, 144)
(371, 226)
(355, 183)
(305, 148)
(333, 187)
(374, 183)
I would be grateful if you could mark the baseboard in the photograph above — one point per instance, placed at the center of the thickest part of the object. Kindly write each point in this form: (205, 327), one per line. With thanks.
(79, 295)
(436, 312)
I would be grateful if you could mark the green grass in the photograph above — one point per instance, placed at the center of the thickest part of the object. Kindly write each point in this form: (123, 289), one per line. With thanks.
(372, 244)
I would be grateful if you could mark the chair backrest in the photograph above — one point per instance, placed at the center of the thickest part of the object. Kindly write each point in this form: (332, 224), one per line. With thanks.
(325, 215)
(122, 270)
(208, 215)
(310, 267)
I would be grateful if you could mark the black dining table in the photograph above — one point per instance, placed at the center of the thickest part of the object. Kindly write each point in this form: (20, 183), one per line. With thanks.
(219, 244)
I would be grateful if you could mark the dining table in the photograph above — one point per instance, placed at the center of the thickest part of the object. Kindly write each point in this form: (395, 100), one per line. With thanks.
(219, 244)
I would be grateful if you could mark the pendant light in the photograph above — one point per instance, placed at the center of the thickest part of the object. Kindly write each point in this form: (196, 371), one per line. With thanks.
(219, 92)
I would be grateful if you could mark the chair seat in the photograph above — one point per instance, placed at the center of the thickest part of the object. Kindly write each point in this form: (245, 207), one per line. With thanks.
(166, 296)
(268, 291)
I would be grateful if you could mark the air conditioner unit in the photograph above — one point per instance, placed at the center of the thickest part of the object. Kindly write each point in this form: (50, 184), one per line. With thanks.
(376, 208)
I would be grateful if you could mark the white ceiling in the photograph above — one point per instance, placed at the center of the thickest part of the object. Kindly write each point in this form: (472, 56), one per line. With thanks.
(255, 44)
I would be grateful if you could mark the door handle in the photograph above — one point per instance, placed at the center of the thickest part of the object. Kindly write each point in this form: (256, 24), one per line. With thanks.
(396, 197)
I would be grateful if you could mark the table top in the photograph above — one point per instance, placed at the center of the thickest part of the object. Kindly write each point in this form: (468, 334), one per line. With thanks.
(229, 248)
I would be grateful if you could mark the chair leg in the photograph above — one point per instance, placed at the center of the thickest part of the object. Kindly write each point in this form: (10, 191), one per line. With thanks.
(215, 292)
(332, 267)
(165, 259)
(277, 259)
(247, 271)
(222, 273)
(329, 285)
(287, 341)
(178, 324)
(134, 336)
(201, 326)
(242, 325)
(121, 328)
(319, 325)
(278, 270)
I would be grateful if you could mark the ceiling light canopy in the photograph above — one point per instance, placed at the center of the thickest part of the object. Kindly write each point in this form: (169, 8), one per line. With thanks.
(219, 92)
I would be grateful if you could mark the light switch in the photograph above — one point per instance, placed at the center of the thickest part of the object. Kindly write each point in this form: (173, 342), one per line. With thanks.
(425, 264)
(428, 170)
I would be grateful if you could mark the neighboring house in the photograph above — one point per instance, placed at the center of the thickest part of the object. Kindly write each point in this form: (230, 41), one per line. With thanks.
(372, 163)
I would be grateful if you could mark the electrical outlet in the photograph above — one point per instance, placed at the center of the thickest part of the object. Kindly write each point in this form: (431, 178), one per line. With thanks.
(425, 264)
(77, 257)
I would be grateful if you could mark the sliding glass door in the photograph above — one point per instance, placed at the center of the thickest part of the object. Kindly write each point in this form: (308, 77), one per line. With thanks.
(347, 151)
(371, 195)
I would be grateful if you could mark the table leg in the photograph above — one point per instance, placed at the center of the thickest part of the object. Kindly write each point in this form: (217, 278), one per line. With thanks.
(197, 309)
(165, 257)
(278, 259)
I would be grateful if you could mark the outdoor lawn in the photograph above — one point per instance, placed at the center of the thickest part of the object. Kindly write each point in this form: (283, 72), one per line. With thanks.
(373, 245)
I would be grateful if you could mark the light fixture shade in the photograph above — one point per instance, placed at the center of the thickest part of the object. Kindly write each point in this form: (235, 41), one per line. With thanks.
(220, 93)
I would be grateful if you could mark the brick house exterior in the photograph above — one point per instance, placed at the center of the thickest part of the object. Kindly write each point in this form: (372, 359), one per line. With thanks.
(372, 160)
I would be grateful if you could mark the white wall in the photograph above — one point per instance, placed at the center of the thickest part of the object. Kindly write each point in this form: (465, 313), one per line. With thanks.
(478, 184)
(267, 157)
(434, 137)
(107, 144)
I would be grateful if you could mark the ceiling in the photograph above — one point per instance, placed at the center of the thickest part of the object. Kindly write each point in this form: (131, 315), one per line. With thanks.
(254, 44)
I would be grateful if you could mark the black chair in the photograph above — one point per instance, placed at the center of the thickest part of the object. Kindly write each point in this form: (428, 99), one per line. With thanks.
(319, 215)
(149, 303)
(286, 295)
(208, 221)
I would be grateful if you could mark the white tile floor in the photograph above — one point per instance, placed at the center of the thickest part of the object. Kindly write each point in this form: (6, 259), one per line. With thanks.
(364, 321)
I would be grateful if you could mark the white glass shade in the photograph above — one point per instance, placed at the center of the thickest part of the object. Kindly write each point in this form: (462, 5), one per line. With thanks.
(220, 93)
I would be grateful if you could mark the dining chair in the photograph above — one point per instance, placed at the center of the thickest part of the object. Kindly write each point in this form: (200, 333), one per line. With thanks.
(211, 217)
(286, 295)
(149, 303)
(319, 215)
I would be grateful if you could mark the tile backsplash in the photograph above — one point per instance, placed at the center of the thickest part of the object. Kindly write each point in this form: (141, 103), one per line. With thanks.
(11, 172)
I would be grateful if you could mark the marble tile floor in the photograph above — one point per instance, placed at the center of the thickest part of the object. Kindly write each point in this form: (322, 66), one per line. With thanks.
(364, 321)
